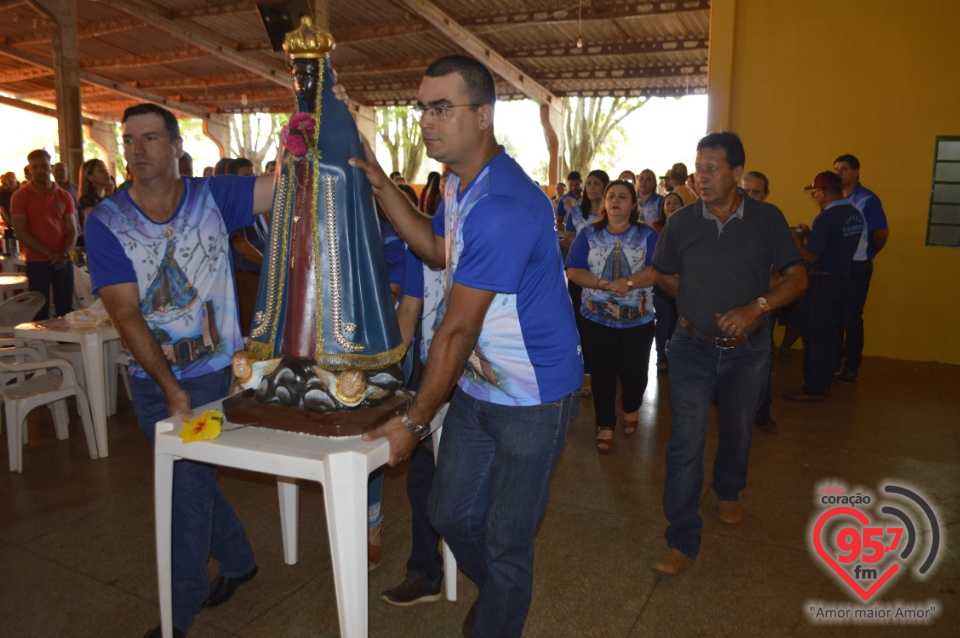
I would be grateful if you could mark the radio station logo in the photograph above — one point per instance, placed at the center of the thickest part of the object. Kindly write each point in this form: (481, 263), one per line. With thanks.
(867, 543)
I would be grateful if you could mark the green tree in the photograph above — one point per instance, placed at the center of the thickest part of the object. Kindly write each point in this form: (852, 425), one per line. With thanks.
(399, 130)
(587, 124)
(255, 136)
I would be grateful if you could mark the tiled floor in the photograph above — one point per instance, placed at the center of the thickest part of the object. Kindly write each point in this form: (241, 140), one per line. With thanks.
(76, 536)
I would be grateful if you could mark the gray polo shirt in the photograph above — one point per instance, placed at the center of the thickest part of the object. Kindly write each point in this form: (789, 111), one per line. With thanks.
(723, 265)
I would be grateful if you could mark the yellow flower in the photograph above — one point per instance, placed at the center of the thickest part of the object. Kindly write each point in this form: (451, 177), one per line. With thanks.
(205, 427)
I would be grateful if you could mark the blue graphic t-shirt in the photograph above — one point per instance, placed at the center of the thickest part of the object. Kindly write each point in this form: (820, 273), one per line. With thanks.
(650, 209)
(182, 267)
(869, 205)
(501, 237)
(423, 282)
(834, 237)
(611, 257)
(576, 222)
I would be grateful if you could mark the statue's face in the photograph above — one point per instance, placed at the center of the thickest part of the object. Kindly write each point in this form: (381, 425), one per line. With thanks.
(306, 78)
(351, 384)
(241, 367)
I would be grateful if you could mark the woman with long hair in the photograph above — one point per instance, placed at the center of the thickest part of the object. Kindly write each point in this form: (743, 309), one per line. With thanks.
(430, 196)
(610, 259)
(589, 210)
(95, 181)
(664, 304)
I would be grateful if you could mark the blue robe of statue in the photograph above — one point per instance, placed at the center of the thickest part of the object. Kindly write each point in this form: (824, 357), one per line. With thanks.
(324, 292)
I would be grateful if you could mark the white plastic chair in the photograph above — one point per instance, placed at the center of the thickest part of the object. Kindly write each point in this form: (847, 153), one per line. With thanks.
(24, 395)
(17, 310)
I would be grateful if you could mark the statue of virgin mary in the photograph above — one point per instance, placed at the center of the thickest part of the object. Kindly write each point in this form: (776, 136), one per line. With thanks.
(324, 306)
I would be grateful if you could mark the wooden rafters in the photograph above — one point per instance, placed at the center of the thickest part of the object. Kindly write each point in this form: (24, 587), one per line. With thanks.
(44, 36)
(26, 73)
(625, 73)
(482, 51)
(274, 74)
(150, 59)
(628, 47)
(97, 80)
(213, 9)
(199, 82)
(597, 10)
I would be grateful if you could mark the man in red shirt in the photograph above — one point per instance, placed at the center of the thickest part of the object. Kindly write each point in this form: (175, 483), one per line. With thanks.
(45, 221)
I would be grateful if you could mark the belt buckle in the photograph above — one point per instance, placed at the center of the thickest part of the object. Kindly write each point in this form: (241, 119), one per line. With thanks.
(721, 342)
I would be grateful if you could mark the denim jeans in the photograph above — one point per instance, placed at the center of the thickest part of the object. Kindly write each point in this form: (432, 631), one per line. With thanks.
(490, 493)
(823, 304)
(425, 558)
(204, 524)
(700, 371)
(860, 274)
(40, 276)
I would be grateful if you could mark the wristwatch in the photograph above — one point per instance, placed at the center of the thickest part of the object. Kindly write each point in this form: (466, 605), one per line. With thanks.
(418, 430)
(764, 306)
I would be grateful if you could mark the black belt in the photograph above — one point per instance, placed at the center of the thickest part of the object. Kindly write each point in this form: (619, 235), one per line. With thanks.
(723, 342)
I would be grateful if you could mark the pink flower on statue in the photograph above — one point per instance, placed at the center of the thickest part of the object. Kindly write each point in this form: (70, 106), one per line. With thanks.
(297, 135)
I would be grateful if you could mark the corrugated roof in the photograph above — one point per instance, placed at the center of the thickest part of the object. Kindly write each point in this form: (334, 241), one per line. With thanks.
(174, 49)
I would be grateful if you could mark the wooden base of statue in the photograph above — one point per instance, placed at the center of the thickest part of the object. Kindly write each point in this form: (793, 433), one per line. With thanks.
(248, 411)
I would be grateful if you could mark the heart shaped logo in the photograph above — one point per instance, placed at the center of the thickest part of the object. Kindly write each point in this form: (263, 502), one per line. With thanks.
(865, 594)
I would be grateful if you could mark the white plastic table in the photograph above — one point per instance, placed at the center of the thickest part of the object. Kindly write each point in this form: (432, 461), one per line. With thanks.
(340, 465)
(10, 282)
(91, 342)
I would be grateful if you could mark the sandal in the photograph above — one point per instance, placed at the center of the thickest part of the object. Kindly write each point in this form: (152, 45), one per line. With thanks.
(604, 440)
(630, 425)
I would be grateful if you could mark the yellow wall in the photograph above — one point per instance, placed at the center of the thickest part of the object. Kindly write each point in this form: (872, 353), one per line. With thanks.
(814, 79)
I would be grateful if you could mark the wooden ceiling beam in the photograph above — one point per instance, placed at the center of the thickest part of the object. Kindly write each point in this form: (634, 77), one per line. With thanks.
(199, 82)
(149, 59)
(597, 10)
(482, 51)
(25, 73)
(118, 87)
(629, 47)
(45, 36)
(213, 9)
(625, 73)
(276, 75)
(37, 108)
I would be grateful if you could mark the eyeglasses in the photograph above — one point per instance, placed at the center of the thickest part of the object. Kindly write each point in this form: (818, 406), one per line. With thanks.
(439, 112)
(813, 193)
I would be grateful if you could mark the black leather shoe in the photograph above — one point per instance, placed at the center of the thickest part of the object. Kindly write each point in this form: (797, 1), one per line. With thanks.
(157, 632)
(222, 588)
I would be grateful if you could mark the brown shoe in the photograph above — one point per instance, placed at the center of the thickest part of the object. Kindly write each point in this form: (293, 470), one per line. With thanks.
(803, 397)
(730, 513)
(374, 547)
(672, 562)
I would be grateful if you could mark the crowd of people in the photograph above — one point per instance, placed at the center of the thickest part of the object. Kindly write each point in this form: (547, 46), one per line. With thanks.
(516, 310)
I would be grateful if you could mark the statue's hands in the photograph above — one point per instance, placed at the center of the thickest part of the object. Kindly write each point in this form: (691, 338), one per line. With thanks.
(402, 441)
(378, 178)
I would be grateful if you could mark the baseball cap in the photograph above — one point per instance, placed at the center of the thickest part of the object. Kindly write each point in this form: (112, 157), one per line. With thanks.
(825, 179)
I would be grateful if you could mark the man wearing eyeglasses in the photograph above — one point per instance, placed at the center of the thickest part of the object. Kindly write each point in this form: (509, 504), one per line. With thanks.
(507, 339)
(829, 254)
(715, 257)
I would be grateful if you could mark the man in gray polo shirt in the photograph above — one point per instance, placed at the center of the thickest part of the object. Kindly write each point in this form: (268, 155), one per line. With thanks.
(715, 256)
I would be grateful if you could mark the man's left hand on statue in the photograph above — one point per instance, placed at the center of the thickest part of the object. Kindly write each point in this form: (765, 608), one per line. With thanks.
(402, 441)
(738, 320)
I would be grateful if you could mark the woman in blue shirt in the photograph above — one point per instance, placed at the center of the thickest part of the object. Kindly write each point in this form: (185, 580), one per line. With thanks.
(610, 259)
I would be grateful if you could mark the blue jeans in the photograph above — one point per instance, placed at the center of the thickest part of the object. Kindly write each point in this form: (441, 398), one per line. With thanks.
(425, 558)
(823, 329)
(860, 274)
(204, 524)
(700, 371)
(490, 493)
(40, 276)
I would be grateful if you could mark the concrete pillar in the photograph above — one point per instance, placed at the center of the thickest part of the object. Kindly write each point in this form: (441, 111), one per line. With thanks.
(552, 121)
(66, 77)
(723, 32)
(217, 128)
(104, 135)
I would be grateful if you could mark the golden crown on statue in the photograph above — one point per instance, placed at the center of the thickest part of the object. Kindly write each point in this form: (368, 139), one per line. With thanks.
(308, 41)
